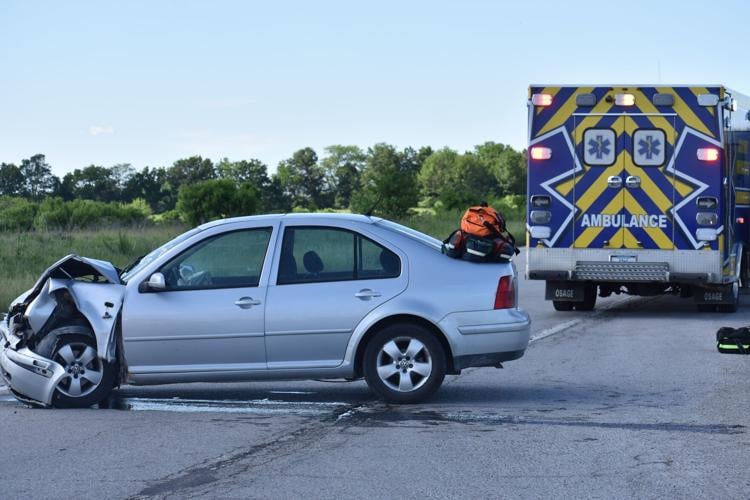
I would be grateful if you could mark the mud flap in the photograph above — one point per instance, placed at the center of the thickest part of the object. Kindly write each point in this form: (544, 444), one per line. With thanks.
(714, 296)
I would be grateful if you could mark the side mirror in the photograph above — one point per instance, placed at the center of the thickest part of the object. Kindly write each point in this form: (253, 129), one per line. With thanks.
(157, 282)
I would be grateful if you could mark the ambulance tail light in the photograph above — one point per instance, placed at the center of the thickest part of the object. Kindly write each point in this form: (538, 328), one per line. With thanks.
(708, 154)
(542, 100)
(540, 153)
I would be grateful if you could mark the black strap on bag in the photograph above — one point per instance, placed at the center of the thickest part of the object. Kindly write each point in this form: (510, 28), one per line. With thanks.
(509, 239)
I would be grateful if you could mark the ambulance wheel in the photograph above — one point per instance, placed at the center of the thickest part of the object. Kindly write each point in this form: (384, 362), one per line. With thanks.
(589, 298)
(562, 305)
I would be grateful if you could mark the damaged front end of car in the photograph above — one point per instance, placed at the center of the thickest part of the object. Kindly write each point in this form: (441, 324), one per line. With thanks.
(60, 343)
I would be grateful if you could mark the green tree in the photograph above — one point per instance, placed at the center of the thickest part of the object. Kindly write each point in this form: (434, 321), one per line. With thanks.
(11, 180)
(147, 184)
(301, 178)
(506, 164)
(342, 167)
(251, 171)
(457, 180)
(38, 178)
(273, 198)
(90, 183)
(215, 199)
(437, 173)
(389, 182)
(185, 172)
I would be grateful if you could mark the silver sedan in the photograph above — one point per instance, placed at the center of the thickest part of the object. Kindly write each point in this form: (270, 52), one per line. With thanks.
(266, 297)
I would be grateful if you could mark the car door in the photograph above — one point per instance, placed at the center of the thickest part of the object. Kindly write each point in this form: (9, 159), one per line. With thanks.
(328, 280)
(210, 315)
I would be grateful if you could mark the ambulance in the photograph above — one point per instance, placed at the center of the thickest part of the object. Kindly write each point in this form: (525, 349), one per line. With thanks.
(634, 189)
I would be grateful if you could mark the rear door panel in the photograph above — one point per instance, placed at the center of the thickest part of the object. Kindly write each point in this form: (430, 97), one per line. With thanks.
(625, 195)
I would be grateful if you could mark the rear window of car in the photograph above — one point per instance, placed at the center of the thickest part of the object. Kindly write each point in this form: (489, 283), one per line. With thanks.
(320, 254)
(413, 234)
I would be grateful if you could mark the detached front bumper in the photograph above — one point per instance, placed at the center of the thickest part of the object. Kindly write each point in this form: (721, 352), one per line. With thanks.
(31, 377)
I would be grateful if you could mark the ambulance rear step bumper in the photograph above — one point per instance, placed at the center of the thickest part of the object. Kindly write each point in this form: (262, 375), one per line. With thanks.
(622, 271)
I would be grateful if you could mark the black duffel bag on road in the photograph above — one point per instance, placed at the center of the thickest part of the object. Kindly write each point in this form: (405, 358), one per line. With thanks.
(733, 340)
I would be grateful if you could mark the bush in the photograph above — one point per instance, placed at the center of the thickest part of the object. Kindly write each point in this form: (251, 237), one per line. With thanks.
(54, 213)
(16, 214)
(216, 199)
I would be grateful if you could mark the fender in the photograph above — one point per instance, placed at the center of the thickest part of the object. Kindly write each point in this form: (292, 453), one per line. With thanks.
(407, 306)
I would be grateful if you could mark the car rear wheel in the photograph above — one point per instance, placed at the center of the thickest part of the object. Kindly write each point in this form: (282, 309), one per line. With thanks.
(88, 379)
(404, 363)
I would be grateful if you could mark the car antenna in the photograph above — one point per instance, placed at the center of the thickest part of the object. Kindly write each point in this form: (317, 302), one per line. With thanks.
(374, 206)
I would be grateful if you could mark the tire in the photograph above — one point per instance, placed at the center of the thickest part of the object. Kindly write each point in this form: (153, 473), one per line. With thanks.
(589, 298)
(562, 305)
(404, 363)
(89, 379)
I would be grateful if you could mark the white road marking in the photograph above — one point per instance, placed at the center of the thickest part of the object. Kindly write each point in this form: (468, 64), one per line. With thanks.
(555, 329)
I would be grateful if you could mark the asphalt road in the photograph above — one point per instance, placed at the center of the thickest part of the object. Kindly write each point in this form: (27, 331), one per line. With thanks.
(631, 400)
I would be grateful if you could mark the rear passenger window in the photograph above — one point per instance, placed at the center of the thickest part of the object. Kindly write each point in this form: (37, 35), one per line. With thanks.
(319, 254)
(648, 147)
(374, 261)
(599, 147)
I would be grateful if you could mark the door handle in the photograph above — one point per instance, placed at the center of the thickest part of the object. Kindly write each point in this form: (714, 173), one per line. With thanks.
(633, 181)
(614, 181)
(366, 294)
(246, 302)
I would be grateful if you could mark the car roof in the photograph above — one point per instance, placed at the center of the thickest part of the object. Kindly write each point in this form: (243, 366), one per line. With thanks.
(294, 217)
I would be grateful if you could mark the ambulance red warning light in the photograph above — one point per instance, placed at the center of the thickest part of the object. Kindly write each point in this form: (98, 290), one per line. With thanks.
(543, 100)
(708, 154)
(540, 153)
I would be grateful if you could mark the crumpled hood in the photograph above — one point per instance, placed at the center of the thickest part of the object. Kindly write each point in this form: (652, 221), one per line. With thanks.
(94, 287)
(69, 267)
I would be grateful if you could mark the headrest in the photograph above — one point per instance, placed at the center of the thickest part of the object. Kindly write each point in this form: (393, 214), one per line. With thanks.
(312, 262)
(390, 262)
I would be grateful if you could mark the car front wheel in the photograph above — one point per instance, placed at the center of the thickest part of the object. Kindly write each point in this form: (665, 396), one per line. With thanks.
(404, 363)
(88, 379)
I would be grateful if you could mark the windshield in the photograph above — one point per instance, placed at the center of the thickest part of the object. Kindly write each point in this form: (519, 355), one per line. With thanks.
(412, 233)
(150, 257)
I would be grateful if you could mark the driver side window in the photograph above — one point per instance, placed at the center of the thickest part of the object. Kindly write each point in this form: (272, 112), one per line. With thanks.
(229, 260)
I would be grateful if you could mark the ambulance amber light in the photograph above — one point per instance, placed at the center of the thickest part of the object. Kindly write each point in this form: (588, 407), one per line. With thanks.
(541, 99)
(624, 99)
(708, 154)
(540, 153)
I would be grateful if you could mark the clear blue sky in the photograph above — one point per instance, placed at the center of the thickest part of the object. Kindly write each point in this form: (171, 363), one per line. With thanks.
(147, 82)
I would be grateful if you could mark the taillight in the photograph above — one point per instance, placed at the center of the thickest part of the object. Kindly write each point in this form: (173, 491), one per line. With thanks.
(540, 153)
(505, 297)
(541, 100)
(708, 154)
